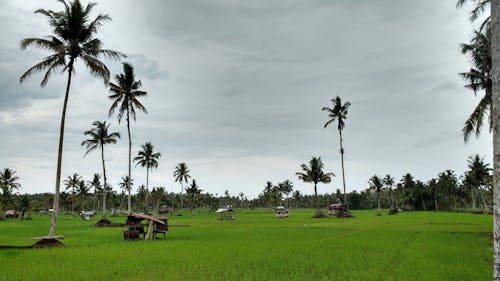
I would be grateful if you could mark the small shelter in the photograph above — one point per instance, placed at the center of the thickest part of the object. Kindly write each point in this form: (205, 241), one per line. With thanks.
(335, 209)
(281, 212)
(226, 213)
(87, 215)
(136, 227)
(11, 214)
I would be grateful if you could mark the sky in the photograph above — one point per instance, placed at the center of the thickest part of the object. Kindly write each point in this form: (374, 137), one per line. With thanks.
(235, 90)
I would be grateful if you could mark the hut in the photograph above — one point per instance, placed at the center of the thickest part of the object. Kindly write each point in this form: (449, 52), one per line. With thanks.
(136, 227)
(226, 213)
(87, 215)
(335, 209)
(281, 212)
(11, 214)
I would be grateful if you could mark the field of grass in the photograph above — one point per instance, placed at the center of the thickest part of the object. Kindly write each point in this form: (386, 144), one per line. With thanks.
(257, 246)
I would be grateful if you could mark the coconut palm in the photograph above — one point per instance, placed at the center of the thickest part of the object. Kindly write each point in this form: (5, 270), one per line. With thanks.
(286, 188)
(480, 7)
(389, 184)
(377, 185)
(433, 188)
(181, 175)
(125, 94)
(314, 173)
(149, 159)
(125, 185)
(96, 184)
(8, 184)
(193, 190)
(99, 136)
(82, 191)
(478, 175)
(478, 79)
(73, 38)
(338, 113)
(71, 182)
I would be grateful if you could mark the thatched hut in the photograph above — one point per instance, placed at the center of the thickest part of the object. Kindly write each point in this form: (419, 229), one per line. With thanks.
(11, 214)
(335, 209)
(136, 227)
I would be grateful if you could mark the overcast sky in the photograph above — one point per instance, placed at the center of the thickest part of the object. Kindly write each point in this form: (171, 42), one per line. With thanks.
(235, 90)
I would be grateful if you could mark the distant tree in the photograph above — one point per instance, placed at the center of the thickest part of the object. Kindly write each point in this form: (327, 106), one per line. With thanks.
(377, 186)
(71, 182)
(338, 113)
(82, 191)
(96, 184)
(125, 94)
(286, 188)
(314, 173)
(98, 138)
(479, 175)
(296, 198)
(192, 191)
(389, 184)
(73, 39)
(8, 184)
(181, 175)
(149, 159)
(433, 188)
(125, 185)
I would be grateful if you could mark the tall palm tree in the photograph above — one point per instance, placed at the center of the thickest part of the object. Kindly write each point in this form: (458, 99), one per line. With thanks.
(125, 94)
(98, 138)
(149, 159)
(125, 185)
(8, 183)
(377, 185)
(96, 184)
(193, 190)
(181, 175)
(71, 182)
(314, 173)
(338, 113)
(389, 184)
(82, 191)
(72, 38)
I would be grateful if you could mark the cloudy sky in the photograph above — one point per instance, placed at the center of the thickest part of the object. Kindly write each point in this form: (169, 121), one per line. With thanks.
(235, 90)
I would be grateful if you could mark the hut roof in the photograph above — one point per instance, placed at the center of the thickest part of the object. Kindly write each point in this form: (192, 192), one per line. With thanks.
(158, 219)
(223, 210)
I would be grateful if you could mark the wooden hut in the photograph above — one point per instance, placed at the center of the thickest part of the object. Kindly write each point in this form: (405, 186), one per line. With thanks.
(136, 227)
(335, 209)
(281, 212)
(11, 214)
(226, 213)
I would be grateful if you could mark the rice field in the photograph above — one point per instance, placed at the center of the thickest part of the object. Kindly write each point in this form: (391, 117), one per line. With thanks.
(258, 246)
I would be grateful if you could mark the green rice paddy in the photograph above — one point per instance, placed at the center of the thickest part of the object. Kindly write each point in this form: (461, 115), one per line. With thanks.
(258, 246)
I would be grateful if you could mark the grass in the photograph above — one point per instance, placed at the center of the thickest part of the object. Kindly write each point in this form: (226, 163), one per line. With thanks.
(257, 246)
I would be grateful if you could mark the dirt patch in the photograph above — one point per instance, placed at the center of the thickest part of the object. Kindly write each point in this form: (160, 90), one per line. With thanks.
(44, 243)
(107, 223)
(345, 214)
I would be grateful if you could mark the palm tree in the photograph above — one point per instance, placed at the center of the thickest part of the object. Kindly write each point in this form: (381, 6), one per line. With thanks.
(314, 173)
(96, 184)
(147, 158)
(82, 190)
(286, 188)
(376, 185)
(71, 182)
(389, 184)
(181, 175)
(433, 187)
(193, 190)
(478, 175)
(8, 183)
(338, 113)
(125, 186)
(72, 38)
(124, 95)
(98, 138)
(296, 197)
(481, 6)
(479, 79)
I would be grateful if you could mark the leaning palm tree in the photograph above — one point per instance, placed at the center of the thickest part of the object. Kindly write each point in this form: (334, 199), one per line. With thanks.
(124, 95)
(181, 175)
(72, 183)
(338, 113)
(376, 184)
(98, 138)
(314, 173)
(149, 159)
(72, 38)
(8, 183)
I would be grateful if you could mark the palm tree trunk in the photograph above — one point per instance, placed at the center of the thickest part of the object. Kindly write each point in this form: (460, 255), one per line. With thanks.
(436, 203)
(55, 208)
(182, 188)
(105, 184)
(378, 203)
(495, 54)
(315, 203)
(147, 190)
(129, 162)
(342, 161)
